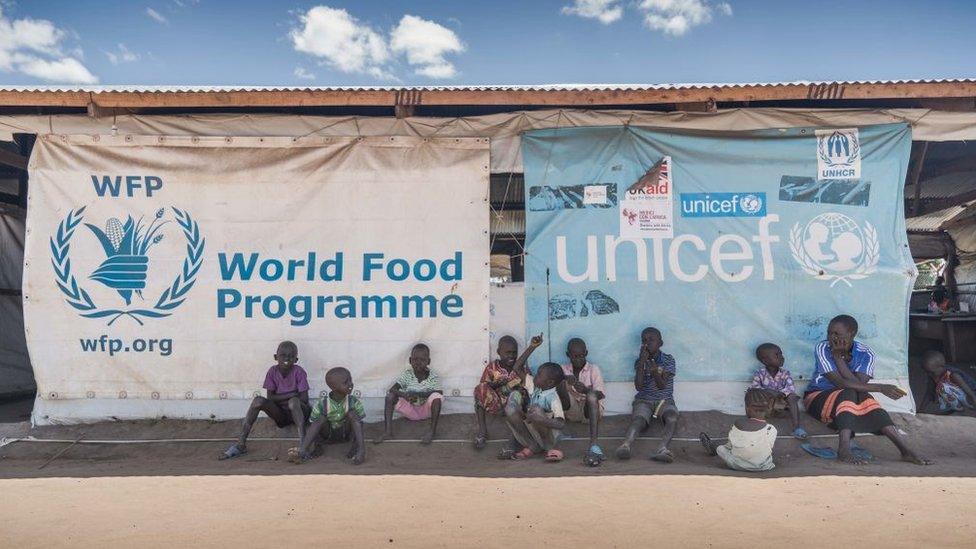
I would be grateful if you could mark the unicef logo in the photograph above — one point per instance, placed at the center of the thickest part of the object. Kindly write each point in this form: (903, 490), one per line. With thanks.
(833, 247)
(127, 248)
(751, 204)
(839, 148)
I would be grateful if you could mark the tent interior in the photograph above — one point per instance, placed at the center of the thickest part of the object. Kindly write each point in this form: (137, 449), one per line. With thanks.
(940, 211)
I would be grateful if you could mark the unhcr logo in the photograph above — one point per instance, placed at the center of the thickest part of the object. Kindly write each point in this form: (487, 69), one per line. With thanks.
(838, 154)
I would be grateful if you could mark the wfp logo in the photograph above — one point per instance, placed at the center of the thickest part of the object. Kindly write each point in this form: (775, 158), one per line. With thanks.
(833, 247)
(838, 154)
(125, 269)
(723, 204)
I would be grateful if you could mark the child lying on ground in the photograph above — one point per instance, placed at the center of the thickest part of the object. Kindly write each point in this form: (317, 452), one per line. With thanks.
(654, 373)
(583, 392)
(338, 417)
(539, 428)
(751, 439)
(952, 393)
(416, 395)
(778, 383)
(286, 402)
(502, 388)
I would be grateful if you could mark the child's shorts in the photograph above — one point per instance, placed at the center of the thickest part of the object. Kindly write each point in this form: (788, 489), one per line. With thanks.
(577, 408)
(286, 418)
(417, 412)
(649, 409)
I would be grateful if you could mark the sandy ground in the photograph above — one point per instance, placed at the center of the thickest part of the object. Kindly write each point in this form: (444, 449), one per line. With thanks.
(415, 511)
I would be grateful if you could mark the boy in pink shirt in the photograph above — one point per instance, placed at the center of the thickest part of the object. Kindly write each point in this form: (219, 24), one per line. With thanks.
(582, 395)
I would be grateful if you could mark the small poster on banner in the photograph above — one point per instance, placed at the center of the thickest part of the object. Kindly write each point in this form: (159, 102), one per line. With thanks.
(647, 210)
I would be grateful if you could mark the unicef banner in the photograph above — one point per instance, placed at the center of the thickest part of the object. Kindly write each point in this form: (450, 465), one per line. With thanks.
(723, 241)
(170, 268)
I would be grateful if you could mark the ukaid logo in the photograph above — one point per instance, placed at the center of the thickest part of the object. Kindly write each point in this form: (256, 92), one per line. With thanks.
(127, 250)
(834, 247)
(723, 204)
(838, 154)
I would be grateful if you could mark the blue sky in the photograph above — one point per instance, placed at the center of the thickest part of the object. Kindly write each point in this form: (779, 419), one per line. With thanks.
(380, 42)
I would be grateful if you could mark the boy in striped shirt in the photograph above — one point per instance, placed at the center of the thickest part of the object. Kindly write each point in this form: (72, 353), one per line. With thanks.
(416, 395)
(654, 372)
(338, 417)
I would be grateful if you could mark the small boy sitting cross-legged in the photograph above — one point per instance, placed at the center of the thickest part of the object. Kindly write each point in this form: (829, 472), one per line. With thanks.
(751, 439)
(337, 418)
(654, 372)
(286, 402)
(539, 427)
(778, 383)
(416, 395)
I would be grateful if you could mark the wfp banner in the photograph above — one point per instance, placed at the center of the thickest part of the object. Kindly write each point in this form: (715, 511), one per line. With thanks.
(170, 268)
(722, 241)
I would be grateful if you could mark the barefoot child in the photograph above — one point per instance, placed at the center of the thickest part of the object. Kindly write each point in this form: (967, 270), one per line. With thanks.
(952, 392)
(286, 402)
(654, 373)
(502, 388)
(778, 382)
(539, 428)
(751, 439)
(584, 391)
(338, 417)
(839, 393)
(416, 395)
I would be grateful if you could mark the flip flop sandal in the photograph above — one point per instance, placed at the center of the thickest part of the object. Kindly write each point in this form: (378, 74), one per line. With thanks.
(295, 456)
(820, 452)
(479, 442)
(663, 456)
(553, 456)
(232, 452)
(594, 457)
(800, 434)
(524, 453)
(506, 454)
(623, 452)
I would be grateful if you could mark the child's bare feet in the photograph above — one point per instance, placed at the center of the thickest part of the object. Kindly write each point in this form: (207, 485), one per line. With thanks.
(847, 456)
(359, 458)
(917, 460)
(623, 451)
(480, 440)
(296, 456)
(382, 438)
(427, 438)
(352, 452)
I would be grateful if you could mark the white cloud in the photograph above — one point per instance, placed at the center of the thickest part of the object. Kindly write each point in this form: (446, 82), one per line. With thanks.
(425, 43)
(676, 17)
(123, 55)
(34, 47)
(301, 72)
(604, 11)
(349, 45)
(341, 41)
(157, 16)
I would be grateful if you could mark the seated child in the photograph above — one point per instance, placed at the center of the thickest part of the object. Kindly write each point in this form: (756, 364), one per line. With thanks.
(416, 394)
(502, 388)
(952, 393)
(583, 392)
(751, 439)
(337, 417)
(286, 384)
(778, 382)
(654, 373)
(539, 427)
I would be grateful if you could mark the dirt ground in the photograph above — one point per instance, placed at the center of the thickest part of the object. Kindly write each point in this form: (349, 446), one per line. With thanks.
(449, 494)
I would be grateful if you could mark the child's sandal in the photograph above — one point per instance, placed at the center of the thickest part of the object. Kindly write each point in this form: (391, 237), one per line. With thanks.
(524, 453)
(554, 455)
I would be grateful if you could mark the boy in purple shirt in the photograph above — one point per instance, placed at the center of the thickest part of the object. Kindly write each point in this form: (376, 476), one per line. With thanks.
(287, 402)
(778, 384)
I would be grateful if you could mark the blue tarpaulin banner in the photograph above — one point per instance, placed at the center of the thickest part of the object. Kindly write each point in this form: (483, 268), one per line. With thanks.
(721, 240)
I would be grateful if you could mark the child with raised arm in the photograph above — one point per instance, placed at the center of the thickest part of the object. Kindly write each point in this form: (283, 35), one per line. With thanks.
(952, 393)
(839, 394)
(286, 402)
(337, 418)
(654, 372)
(539, 428)
(416, 395)
(502, 388)
(583, 390)
(778, 383)
(751, 439)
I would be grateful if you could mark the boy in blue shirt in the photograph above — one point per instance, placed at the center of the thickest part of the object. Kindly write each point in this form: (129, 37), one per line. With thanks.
(539, 427)
(654, 372)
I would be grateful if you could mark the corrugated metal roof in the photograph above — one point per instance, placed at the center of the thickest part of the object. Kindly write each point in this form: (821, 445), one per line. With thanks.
(473, 87)
(945, 186)
(932, 222)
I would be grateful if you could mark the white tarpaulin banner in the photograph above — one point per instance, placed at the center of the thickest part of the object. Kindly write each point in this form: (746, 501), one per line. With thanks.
(170, 268)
